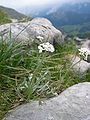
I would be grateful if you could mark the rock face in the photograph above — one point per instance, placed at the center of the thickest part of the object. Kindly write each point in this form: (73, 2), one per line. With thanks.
(29, 31)
(79, 65)
(72, 104)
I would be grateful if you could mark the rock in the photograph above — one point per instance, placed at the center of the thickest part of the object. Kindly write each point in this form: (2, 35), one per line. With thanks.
(79, 41)
(14, 20)
(72, 104)
(79, 65)
(86, 44)
(28, 32)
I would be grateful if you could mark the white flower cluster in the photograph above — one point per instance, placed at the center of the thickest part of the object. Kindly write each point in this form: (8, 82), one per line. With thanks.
(46, 47)
(84, 52)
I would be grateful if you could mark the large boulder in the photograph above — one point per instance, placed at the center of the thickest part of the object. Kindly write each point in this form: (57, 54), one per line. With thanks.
(28, 32)
(72, 104)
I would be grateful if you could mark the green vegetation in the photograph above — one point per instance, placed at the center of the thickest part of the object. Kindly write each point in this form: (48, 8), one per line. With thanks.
(25, 74)
(71, 29)
(4, 18)
(80, 30)
(13, 14)
(7, 15)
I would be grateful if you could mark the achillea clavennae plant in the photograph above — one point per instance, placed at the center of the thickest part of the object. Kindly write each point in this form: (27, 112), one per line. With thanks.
(84, 52)
(46, 47)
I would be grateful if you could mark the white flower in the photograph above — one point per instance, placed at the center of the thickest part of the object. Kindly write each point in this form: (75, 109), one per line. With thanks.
(40, 38)
(30, 76)
(84, 52)
(46, 47)
(40, 49)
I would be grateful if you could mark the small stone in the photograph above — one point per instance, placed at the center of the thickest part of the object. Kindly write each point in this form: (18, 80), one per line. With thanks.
(79, 65)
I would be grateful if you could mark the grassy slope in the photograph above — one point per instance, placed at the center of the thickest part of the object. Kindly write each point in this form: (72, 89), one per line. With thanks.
(4, 18)
(6, 14)
(12, 13)
(51, 74)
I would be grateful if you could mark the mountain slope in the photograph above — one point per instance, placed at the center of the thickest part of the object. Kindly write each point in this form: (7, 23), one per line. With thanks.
(73, 19)
(71, 14)
(12, 13)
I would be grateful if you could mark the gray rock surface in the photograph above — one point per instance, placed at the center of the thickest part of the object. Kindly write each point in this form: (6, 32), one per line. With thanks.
(79, 65)
(29, 31)
(86, 44)
(72, 104)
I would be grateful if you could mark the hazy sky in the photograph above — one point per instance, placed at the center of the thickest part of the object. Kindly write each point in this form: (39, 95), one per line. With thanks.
(21, 3)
